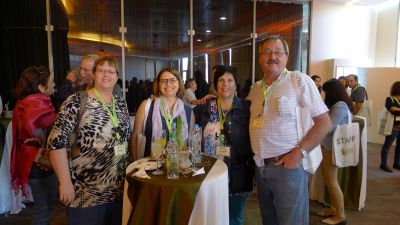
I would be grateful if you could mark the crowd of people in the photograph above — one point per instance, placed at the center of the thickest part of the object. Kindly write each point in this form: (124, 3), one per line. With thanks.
(90, 142)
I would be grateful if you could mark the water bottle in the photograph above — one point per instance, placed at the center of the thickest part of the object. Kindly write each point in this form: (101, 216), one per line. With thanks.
(195, 140)
(172, 155)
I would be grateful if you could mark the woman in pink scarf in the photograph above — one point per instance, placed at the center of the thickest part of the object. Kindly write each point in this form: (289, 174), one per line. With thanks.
(33, 113)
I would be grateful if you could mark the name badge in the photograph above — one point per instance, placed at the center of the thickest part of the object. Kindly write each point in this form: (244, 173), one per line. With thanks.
(258, 123)
(224, 151)
(120, 150)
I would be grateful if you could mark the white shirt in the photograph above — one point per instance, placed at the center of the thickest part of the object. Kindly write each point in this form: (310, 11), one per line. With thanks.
(188, 97)
(278, 134)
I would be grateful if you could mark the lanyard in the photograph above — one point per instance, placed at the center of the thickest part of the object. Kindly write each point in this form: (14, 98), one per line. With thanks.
(398, 103)
(112, 114)
(267, 90)
(168, 118)
(354, 89)
(222, 116)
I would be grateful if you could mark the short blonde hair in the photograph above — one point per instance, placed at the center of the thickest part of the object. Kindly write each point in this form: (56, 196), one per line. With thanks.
(156, 85)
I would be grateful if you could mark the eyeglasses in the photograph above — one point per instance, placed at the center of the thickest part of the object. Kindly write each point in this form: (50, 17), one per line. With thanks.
(103, 71)
(171, 81)
(85, 70)
(268, 52)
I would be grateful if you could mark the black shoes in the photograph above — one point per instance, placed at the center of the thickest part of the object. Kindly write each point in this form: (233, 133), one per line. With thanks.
(385, 168)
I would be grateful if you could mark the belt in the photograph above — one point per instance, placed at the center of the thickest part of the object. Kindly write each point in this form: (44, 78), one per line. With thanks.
(273, 159)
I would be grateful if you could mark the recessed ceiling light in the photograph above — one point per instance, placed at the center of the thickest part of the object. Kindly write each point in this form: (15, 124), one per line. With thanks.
(208, 31)
(222, 18)
(198, 40)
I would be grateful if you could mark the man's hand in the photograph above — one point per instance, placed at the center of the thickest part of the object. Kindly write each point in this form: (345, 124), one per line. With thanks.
(291, 160)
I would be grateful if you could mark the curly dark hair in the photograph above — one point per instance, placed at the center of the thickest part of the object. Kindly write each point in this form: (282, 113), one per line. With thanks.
(30, 79)
(335, 92)
(221, 70)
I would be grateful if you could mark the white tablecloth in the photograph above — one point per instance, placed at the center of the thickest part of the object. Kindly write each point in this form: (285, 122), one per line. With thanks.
(212, 203)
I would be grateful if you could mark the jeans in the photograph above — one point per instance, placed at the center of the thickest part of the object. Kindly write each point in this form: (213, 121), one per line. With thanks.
(44, 191)
(329, 172)
(104, 214)
(236, 209)
(386, 147)
(282, 195)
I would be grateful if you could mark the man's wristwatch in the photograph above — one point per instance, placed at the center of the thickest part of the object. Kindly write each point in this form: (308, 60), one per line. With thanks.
(304, 153)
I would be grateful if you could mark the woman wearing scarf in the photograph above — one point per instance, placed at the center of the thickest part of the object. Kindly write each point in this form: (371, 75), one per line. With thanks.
(99, 156)
(165, 109)
(33, 113)
(225, 123)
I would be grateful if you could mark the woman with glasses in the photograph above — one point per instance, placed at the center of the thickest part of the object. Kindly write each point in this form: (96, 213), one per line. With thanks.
(32, 114)
(99, 156)
(225, 123)
(164, 110)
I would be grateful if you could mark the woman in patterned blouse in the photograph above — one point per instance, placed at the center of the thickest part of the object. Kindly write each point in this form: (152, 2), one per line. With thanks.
(99, 157)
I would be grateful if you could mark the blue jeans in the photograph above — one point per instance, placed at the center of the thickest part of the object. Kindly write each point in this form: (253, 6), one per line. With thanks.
(236, 209)
(282, 195)
(386, 147)
(104, 214)
(44, 192)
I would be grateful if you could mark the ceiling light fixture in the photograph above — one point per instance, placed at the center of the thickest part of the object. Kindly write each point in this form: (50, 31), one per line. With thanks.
(208, 31)
(199, 40)
(222, 18)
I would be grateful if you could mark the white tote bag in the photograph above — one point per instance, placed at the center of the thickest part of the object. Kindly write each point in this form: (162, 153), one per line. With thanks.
(346, 144)
(365, 111)
(385, 122)
(141, 138)
(304, 123)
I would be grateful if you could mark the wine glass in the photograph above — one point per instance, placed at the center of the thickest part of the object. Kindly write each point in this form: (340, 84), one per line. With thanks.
(156, 151)
(163, 142)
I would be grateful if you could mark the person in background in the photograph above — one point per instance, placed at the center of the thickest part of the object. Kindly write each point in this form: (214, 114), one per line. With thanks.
(86, 80)
(165, 109)
(71, 84)
(212, 90)
(225, 122)
(190, 98)
(339, 104)
(99, 157)
(202, 86)
(32, 114)
(392, 104)
(318, 82)
(358, 92)
(282, 183)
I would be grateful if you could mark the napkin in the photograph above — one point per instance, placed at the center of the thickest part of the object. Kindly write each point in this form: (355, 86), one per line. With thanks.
(198, 172)
(141, 173)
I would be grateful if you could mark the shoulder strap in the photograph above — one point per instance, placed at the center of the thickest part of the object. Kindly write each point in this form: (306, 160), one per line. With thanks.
(83, 103)
(295, 85)
(146, 112)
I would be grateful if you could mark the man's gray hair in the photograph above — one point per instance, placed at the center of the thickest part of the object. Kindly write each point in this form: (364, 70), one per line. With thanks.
(92, 57)
(275, 38)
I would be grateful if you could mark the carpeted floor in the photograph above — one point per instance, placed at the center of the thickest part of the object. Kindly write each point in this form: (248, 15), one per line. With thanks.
(381, 207)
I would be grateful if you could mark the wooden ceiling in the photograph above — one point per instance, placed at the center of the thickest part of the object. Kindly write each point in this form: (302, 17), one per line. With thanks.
(159, 28)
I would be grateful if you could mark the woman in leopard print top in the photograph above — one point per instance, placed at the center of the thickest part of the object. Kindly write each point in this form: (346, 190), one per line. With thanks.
(94, 192)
